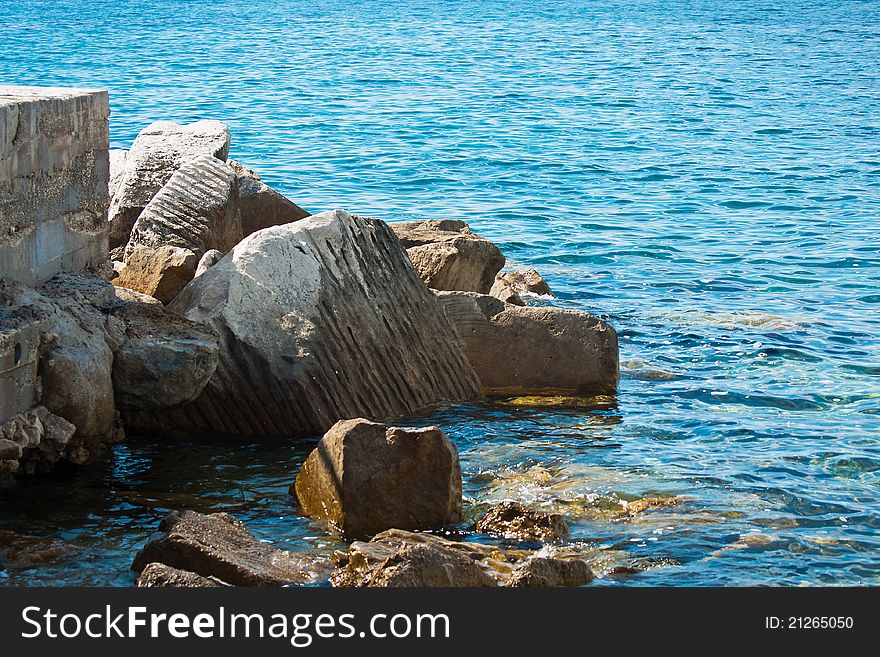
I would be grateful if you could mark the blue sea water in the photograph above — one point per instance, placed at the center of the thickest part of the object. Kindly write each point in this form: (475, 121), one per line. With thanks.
(705, 175)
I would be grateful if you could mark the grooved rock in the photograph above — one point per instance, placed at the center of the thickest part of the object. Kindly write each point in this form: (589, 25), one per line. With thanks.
(319, 320)
(513, 520)
(517, 350)
(208, 260)
(217, 545)
(262, 207)
(156, 575)
(402, 559)
(157, 153)
(547, 571)
(448, 256)
(365, 477)
(196, 211)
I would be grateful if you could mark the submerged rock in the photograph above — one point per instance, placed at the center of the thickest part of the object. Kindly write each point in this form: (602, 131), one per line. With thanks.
(156, 154)
(448, 256)
(156, 575)
(320, 320)
(517, 350)
(548, 571)
(31, 550)
(219, 546)
(194, 212)
(365, 477)
(513, 520)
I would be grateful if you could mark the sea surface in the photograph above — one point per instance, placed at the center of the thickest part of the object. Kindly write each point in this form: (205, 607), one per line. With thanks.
(704, 175)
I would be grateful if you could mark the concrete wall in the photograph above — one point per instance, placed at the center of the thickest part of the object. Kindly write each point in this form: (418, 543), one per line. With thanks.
(54, 170)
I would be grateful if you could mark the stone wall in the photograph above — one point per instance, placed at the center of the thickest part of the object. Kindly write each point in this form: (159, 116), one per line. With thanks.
(54, 170)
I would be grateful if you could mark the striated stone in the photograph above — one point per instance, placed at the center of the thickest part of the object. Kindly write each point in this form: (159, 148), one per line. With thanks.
(320, 320)
(156, 575)
(547, 571)
(217, 545)
(156, 154)
(211, 258)
(517, 350)
(448, 256)
(513, 520)
(366, 477)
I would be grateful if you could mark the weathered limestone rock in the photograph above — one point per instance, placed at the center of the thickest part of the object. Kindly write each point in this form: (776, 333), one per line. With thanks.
(33, 442)
(518, 350)
(365, 477)
(504, 291)
(156, 575)
(54, 172)
(513, 520)
(157, 153)
(545, 571)
(448, 256)
(208, 260)
(319, 320)
(260, 205)
(118, 158)
(402, 559)
(196, 211)
(525, 281)
(219, 546)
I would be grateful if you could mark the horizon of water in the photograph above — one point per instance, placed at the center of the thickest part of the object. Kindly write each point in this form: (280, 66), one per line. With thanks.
(703, 175)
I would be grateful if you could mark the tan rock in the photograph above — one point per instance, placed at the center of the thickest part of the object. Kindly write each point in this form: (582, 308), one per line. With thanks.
(157, 575)
(514, 520)
(546, 571)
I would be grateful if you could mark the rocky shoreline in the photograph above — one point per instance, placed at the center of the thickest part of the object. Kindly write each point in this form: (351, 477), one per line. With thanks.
(225, 309)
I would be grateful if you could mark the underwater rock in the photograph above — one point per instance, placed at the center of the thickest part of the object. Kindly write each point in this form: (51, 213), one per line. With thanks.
(27, 549)
(196, 211)
(548, 571)
(156, 575)
(513, 520)
(402, 559)
(156, 154)
(448, 256)
(366, 477)
(211, 258)
(517, 350)
(320, 320)
(219, 546)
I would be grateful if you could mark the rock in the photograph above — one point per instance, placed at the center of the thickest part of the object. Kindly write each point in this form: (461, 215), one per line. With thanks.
(517, 350)
(513, 520)
(319, 320)
(503, 291)
(118, 157)
(448, 256)
(366, 477)
(403, 559)
(544, 571)
(159, 575)
(262, 207)
(639, 506)
(219, 546)
(196, 211)
(157, 153)
(31, 550)
(525, 281)
(211, 258)
(9, 450)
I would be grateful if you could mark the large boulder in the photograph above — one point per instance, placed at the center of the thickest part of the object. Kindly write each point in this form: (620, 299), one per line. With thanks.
(219, 546)
(260, 205)
(514, 520)
(159, 150)
(448, 256)
(365, 477)
(517, 350)
(320, 320)
(403, 559)
(196, 211)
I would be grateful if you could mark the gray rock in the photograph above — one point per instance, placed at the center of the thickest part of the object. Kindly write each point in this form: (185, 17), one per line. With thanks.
(517, 350)
(448, 256)
(319, 320)
(211, 258)
(365, 477)
(196, 211)
(546, 571)
(157, 153)
(156, 575)
(219, 546)
(118, 157)
(514, 520)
